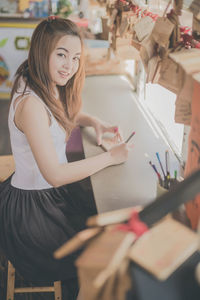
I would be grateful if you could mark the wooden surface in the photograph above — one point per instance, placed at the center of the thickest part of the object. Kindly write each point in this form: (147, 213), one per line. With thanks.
(7, 166)
(133, 183)
(97, 63)
(186, 3)
(164, 248)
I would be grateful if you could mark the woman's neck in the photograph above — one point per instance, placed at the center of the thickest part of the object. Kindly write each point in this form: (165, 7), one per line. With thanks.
(56, 95)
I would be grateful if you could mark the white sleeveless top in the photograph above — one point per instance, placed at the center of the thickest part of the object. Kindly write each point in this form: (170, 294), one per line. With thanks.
(27, 175)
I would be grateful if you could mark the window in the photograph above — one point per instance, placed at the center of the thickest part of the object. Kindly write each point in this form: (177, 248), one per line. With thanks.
(161, 103)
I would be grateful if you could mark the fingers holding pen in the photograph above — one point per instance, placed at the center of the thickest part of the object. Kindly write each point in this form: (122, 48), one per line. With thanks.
(120, 153)
(130, 146)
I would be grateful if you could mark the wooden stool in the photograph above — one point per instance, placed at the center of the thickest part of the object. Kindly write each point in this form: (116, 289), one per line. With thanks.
(11, 290)
(7, 166)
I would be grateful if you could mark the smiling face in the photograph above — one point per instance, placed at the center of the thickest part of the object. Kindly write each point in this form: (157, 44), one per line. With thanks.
(64, 60)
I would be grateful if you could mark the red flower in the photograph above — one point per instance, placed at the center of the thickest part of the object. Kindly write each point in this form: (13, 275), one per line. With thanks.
(52, 18)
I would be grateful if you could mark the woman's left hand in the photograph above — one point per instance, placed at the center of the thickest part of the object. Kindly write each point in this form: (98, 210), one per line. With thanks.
(101, 127)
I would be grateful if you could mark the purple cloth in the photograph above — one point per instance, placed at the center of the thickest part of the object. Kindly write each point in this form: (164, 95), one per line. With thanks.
(74, 143)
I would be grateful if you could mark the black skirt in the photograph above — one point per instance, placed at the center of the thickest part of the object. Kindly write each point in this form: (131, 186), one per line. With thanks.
(34, 223)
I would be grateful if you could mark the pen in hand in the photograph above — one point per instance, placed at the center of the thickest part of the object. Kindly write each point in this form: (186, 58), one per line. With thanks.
(130, 136)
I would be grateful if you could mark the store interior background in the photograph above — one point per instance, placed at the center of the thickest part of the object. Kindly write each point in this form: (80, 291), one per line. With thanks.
(157, 101)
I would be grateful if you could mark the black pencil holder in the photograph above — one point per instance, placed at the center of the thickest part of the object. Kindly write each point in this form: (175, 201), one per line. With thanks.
(165, 186)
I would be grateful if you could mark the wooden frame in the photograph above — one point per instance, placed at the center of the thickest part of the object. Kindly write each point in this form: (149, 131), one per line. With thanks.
(7, 166)
(11, 290)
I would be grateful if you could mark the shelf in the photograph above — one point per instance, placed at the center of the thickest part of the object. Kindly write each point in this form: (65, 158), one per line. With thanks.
(195, 9)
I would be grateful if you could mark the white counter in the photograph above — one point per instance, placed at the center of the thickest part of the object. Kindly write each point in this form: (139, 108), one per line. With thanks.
(133, 183)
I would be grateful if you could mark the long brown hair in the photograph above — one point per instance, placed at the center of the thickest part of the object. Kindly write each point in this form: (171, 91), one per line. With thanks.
(35, 71)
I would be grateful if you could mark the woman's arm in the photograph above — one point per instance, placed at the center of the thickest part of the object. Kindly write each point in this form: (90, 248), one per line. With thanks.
(84, 119)
(33, 120)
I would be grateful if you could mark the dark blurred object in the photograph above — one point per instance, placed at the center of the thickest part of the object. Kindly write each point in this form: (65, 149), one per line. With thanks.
(181, 285)
(5, 147)
(81, 15)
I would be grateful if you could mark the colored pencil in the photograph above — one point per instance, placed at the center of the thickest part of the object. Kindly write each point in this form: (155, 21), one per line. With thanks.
(130, 136)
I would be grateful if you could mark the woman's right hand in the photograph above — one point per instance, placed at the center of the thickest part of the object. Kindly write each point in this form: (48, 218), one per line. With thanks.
(119, 153)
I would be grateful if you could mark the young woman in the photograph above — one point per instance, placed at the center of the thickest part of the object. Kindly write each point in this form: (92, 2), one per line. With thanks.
(38, 210)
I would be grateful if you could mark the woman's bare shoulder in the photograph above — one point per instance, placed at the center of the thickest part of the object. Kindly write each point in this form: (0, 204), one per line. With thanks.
(29, 104)
(30, 108)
